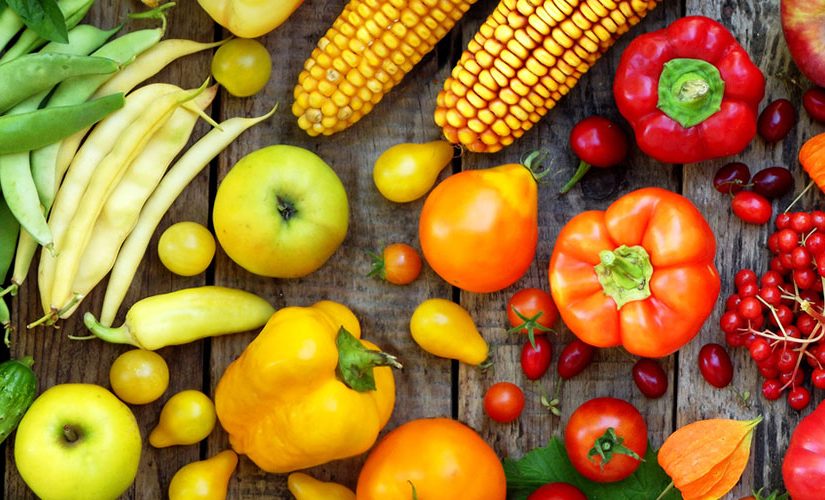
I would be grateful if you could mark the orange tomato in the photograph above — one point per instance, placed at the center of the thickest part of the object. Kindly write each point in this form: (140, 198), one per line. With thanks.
(479, 228)
(438, 457)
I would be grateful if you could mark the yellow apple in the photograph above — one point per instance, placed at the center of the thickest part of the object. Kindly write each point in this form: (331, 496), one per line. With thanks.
(281, 212)
(78, 441)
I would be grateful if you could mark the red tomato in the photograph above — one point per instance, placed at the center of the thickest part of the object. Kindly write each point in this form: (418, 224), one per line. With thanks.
(398, 264)
(531, 311)
(557, 491)
(615, 430)
(598, 142)
(503, 402)
(751, 207)
(479, 228)
(536, 360)
(803, 468)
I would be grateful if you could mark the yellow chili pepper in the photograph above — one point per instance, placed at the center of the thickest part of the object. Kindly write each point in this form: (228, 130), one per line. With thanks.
(184, 316)
(249, 18)
(306, 487)
(205, 479)
(307, 370)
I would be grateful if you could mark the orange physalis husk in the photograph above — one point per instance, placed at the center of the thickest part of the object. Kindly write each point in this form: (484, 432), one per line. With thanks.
(705, 459)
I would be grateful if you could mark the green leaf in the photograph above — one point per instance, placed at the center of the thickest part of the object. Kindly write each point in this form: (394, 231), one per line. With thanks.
(44, 17)
(551, 464)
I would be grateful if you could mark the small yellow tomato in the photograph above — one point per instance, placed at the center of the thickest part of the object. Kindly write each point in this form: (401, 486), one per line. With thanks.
(187, 418)
(405, 172)
(242, 66)
(205, 479)
(139, 377)
(186, 248)
(305, 487)
(446, 329)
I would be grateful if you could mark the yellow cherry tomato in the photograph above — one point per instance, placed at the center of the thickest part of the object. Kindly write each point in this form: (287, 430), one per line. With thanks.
(405, 172)
(305, 487)
(242, 66)
(205, 479)
(187, 418)
(446, 329)
(139, 377)
(186, 248)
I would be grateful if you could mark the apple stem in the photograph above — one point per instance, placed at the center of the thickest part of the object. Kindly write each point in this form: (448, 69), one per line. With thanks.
(70, 434)
(286, 208)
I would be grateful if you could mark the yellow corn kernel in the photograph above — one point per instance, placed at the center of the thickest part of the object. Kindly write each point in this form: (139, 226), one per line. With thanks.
(476, 125)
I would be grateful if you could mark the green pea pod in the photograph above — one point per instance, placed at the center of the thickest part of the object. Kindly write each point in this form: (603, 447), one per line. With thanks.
(8, 237)
(73, 10)
(10, 24)
(34, 73)
(29, 131)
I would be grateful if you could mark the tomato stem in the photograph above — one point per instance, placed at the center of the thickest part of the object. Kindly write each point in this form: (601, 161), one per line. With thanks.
(534, 161)
(583, 168)
(608, 444)
(531, 324)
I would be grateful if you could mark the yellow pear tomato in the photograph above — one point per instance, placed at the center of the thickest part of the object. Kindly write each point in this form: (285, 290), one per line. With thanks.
(405, 172)
(446, 329)
(205, 479)
(187, 418)
(249, 18)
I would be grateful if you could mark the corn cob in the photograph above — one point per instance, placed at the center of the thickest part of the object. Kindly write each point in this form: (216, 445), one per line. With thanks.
(523, 59)
(366, 52)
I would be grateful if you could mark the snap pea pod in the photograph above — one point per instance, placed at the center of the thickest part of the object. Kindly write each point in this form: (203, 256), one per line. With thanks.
(73, 11)
(10, 24)
(33, 73)
(39, 128)
(16, 180)
(8, 236)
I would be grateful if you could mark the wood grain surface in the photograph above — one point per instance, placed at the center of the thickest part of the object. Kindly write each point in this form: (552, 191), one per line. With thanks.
(429, 386)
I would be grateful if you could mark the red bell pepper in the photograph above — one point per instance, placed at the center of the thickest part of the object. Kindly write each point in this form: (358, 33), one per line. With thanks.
(690, 91)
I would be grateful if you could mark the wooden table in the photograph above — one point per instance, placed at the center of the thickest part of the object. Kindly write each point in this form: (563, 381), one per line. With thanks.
(429, 386)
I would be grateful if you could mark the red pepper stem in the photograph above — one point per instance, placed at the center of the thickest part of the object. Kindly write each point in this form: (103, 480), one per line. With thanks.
(625, 273)
(690, 90)
(583, 168)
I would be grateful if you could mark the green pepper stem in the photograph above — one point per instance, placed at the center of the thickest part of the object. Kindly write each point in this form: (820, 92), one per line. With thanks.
(625, 273)
(355, 362)
(583, 168)
(120, 335)
(690, 90)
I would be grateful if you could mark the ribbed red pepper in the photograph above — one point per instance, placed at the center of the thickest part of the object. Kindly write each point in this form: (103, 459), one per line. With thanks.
(690, 91)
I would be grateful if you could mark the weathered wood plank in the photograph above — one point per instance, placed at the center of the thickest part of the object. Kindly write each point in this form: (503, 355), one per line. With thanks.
(757, 27)
(610, 373)
(60, 360)
(424, 386)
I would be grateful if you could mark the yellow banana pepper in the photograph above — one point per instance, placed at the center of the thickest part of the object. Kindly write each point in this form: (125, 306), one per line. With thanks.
(305, 487)
(306, 391)
(249, 18)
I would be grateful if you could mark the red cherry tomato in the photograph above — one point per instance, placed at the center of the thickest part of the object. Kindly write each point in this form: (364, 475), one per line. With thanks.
(813, 100)
(574, 358)
(650, 378)
(536, 360)
(531, 311)
(503, 402)
(557, 491)
(715, 365)
(598, 142)
(751, 207)
(398, 264)
(606, 439)
(776, 120)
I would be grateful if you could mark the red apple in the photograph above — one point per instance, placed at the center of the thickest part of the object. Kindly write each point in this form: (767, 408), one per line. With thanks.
(803, 23)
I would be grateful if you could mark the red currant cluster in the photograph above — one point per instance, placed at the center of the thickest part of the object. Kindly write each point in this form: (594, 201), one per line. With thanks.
(779, 317)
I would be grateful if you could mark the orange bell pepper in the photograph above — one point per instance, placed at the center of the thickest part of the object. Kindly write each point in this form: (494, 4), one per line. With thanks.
(639, 274)
(249, 18)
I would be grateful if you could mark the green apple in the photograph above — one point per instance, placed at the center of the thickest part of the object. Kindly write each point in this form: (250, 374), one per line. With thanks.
(78, 441)
(281, 212)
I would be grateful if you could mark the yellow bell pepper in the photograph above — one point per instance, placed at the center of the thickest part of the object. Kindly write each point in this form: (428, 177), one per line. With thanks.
(305, 487)
(249, 18)
(306, 390)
